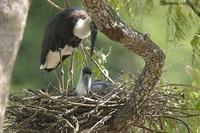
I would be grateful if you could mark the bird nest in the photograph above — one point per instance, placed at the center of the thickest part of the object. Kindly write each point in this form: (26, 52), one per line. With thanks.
(39, 111)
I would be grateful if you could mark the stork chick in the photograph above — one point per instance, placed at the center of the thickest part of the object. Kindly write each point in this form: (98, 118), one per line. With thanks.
(86, 86)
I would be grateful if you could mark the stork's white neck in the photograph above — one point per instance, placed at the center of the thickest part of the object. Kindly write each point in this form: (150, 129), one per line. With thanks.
(82, 28)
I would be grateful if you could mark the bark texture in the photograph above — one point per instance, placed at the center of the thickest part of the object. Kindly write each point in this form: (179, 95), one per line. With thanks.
(13, 14)
(111, 25)
(195, 6)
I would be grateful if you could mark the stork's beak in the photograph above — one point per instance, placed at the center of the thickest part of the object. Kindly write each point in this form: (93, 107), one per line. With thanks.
(94, 32)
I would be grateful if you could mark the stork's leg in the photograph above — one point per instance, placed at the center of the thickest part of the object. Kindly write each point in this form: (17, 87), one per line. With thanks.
(62, 74)
(70, 82)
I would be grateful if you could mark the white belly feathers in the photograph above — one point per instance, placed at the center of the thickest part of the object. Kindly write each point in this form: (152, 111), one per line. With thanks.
(53, 57)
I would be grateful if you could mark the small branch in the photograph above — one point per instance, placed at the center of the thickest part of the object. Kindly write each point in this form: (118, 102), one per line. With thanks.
(66, 3)
(78, 104)
(148, 129)
(62, 88)
(194, 6)
(27, 131)
(84, 54)
(54, 5)
(186, 125)
(101, 122)
(181, 85)
(70, 81)
(69, 124)
(76, 129)
(98, 66)
(24, 122)
(59, 82)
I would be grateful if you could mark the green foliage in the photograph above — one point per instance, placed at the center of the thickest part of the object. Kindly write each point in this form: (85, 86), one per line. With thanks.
(178, 23)
(132, 11)
(167, 25)
(195, 68)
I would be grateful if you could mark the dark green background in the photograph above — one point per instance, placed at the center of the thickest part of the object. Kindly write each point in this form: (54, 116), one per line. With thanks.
(27, 74)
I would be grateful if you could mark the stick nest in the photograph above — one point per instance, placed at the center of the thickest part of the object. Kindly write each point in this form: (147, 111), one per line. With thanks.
(38, 111)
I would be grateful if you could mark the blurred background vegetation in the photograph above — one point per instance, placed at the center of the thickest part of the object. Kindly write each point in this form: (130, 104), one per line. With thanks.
(174, 27)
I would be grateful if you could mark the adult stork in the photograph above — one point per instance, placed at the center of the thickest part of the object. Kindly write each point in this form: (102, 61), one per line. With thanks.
(64, 32)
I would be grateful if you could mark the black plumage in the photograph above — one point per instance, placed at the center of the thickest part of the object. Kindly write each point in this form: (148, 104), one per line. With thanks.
(59, 33)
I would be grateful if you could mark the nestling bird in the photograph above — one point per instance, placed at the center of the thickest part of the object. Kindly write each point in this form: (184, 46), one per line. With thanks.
(86, 86)
(84, 83)
(64, 32)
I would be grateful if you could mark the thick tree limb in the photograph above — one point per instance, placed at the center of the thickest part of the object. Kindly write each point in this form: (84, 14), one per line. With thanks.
(13, 15)
(195, 6)
(110, 24)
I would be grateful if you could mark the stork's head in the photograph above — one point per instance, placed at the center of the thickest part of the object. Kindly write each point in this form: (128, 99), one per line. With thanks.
(85, 27)
(84, 83)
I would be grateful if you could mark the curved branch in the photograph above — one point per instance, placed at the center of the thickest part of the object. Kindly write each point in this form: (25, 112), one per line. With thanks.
(109, 23)
(194, 5)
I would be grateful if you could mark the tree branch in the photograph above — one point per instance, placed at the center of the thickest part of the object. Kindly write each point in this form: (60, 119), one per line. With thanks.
(195, 6)
(109, 23)
(54, 5)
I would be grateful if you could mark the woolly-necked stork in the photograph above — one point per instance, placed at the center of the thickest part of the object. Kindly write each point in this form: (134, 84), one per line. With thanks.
(86, 86)
(63, 34)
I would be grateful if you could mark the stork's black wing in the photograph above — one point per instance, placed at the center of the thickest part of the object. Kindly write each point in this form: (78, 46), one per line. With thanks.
(58, 33)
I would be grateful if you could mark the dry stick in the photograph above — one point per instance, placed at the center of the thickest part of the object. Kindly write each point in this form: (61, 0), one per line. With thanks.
(36, 108)
(62, 74)
(100, 101)
(104, 119)
(66, 3)
(78, 104)
(54, 5)
(24, 122)
(76, 123)
(58, 80)
(50, 83)
(68, 123)
(181, 85)
(98, 66)
(179, 120)
(148, 129)
(71, 73)
(27, 131)
(84, 54)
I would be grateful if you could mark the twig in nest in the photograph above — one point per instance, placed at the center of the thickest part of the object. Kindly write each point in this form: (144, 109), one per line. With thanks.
(76, 129)
(77, 114)
(54, 5)
(102, 121)
(78, 104)
(28, 119)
